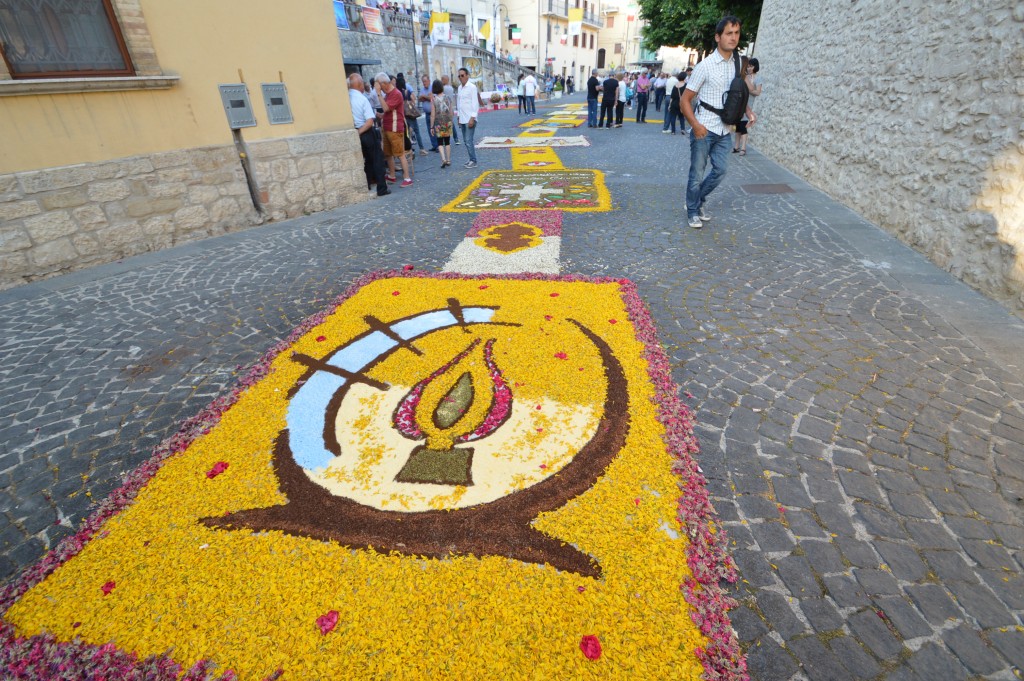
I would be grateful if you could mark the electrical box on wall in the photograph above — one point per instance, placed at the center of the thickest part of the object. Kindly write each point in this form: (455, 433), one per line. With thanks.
(275, 98)
(235, 97)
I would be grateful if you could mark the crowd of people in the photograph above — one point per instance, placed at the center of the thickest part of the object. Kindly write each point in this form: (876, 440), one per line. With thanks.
(386, 114)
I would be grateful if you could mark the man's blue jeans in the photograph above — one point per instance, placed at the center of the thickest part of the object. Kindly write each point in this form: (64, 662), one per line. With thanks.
(715, 147)
(531, 104)
(467, 138)
(591, 113)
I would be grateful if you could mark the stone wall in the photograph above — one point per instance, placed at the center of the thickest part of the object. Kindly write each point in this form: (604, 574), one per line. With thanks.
(58, 220)
(912, 113)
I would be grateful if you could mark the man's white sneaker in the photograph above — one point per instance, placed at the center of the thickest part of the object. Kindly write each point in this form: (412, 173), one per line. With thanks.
(702, 214)
(695, 222)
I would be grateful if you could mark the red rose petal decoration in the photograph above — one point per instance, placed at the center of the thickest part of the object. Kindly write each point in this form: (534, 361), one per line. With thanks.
(613, 321)
(108, 587)
(636, 501)
(581, 589)
(395, 293)
(408, 268)
(561, 355)
(483, 286)
(548, 317)
(591, 647)
(327, 622)
(321, 339)
(217, 469)
(554, 295)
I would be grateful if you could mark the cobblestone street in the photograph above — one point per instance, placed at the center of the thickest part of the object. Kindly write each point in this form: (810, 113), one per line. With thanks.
(860, 411)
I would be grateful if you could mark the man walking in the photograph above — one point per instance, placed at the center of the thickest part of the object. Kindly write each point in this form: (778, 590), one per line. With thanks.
(369, 139)
(469, 109)
(593, 84)
(610, 88)
(709, 137)
(643, 93)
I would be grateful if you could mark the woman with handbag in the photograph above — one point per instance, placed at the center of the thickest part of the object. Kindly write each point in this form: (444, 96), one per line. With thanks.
(412, 112)
(441, 123)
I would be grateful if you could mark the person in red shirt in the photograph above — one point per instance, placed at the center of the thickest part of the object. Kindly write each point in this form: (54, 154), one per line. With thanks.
(393, 126)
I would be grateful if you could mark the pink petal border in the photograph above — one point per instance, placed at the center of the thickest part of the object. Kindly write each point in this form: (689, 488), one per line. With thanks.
(41, 656)
(549, 221)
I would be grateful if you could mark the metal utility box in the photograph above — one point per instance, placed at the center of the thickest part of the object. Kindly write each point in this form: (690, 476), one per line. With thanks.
(235, 97)
(275, 98)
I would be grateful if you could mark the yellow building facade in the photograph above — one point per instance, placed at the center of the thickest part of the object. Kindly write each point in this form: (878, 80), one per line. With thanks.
(96, 166)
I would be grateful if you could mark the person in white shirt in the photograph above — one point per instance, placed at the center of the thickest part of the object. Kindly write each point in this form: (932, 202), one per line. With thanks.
(710, 137)
(469, 108)
(364, 118)
(530, 92)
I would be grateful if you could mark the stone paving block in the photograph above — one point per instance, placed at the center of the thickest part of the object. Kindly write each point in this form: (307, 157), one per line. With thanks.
(911, 505)
(902, 673)
(747, 623)
(791, 492)
(974, 653)
(803, 524)
(854, 658)
(987, 554)
(822, 614)
(927, 535)
(823, 556)
(754, 568)
(768, 660)
(903, 616)
(797, 575)
(845, 591)
(778, 614)
(902, 560)
(969, 528)
(876, 582)
(872, 632)
(980, 603)
(949, 566)
(1011, 644)
(835, 519)
(817, 661)
(1008, 586)
(932, 661)
(772, 536)
(859, 553)
(880, 523)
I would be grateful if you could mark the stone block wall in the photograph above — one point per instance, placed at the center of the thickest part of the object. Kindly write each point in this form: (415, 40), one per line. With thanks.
(911, 113)
(59, 220)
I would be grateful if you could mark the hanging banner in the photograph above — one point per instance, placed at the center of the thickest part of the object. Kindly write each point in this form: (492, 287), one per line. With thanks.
(485, 30)
(517, 36)
(340, 18)
(373, 21)
(575, 21)
(564, 38)
(440, 28)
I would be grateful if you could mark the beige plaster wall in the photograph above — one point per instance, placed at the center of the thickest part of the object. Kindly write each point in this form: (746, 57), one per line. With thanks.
(205, 43)
(912, 113)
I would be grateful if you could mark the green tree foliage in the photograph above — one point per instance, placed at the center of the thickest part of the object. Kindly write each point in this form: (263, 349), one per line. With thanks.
(692, 22)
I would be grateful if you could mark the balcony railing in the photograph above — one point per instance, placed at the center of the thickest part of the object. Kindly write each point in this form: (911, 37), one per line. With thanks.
(560, 8)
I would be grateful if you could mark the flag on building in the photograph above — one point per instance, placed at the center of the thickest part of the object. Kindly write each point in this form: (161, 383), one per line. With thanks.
(517, 36)
(485, 30)
(440, 28)
(575, 21)
(564, 38)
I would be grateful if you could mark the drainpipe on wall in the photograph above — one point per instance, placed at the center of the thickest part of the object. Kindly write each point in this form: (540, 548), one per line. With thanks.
(258, 198)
